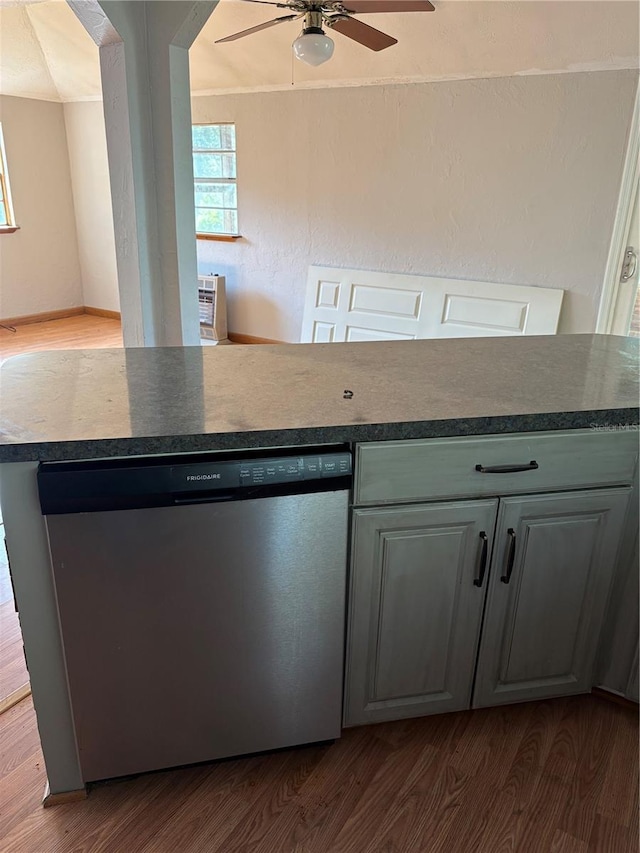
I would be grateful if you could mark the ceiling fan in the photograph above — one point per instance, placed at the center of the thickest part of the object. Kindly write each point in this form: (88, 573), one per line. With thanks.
(313, 45)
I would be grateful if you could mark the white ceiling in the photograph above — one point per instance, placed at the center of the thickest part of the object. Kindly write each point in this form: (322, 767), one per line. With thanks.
(45, 52)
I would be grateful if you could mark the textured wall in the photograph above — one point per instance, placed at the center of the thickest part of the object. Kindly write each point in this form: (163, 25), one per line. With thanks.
(92, 203)
(512, 180)
(39, 266)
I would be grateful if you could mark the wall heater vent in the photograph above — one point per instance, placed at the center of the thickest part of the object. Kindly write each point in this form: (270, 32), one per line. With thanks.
(212, 305)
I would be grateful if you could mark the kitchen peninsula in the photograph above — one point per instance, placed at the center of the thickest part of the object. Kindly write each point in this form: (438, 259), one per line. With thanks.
(414, 412)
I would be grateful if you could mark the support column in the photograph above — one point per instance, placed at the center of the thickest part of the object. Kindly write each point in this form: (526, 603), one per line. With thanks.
(144, 63)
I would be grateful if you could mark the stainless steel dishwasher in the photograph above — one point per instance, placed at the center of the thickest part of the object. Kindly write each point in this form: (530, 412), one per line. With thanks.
(201, 603)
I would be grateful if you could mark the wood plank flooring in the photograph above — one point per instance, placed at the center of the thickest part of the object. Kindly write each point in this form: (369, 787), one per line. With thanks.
(82, 332)
(544, 777)
(13, 669)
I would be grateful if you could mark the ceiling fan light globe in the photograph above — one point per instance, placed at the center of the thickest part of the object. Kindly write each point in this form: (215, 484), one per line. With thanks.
(314, 48)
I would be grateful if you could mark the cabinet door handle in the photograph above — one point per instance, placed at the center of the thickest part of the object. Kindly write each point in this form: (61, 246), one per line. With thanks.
(507, 469)
(477, 581)
(511, 556)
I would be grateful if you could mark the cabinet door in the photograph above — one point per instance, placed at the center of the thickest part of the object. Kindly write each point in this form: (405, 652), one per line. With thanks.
(415, 608)
(554, 559)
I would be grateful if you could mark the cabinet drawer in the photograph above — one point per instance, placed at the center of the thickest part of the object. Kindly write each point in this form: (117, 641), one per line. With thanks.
(397, 471)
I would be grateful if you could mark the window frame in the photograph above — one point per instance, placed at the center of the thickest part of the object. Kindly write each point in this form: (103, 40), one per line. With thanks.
(5, 191)
(213, 235)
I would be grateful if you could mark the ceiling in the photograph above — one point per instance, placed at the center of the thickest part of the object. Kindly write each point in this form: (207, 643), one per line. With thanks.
(45, 53)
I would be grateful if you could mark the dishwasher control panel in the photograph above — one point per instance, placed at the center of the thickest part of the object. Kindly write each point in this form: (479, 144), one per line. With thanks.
(166, 481)
(255, 472)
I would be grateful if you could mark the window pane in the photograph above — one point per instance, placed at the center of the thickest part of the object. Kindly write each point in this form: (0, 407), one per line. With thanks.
(216, 195)
(228, 136)
(3, 215)
(214, 165)
(216, 221)
(206, 136)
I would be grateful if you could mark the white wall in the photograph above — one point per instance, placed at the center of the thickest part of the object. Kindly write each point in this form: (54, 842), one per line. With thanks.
(92, 201)
(512, 180)
(39, 266)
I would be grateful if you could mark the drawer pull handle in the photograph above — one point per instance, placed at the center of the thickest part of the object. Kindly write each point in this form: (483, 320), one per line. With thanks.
(507, 469)
(511, 557)
(483, 560)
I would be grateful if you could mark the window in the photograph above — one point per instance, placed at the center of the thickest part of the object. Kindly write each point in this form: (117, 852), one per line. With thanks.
(214, 171)
(7, 222)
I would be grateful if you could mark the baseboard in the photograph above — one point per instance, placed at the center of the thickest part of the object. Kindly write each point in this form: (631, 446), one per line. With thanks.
(102, 312)
(49, 799)
(14, 697)
(616, 698)
(64, 313)
(27, 319)
(238, 338)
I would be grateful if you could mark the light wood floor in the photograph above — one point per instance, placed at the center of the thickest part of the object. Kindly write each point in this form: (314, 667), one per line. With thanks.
(82, 332)
(545, 777)
(13, 669)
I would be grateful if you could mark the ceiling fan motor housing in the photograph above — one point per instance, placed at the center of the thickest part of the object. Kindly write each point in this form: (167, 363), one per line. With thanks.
(313, 22)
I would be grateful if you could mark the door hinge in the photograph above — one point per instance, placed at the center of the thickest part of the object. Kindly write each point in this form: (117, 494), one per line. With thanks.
(629, 265)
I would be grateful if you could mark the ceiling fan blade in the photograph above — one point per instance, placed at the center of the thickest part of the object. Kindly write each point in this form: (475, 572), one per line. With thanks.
(257, 29)
(365, 7)
(269, 3)
(362, 33)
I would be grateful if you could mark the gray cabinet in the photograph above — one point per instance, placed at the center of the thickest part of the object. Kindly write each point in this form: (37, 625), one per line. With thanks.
(618, 671)
(560, 614)
(554, 561)
(389, 472)
(417, 595)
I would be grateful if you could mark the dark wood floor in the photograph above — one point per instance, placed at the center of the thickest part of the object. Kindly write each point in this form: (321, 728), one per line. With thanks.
(545, 777)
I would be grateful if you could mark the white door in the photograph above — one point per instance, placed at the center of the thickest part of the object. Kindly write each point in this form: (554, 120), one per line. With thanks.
(626, 311)
(360, 305)
(619, 306)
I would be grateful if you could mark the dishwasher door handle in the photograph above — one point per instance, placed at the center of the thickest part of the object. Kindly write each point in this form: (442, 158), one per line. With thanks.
(217, 497)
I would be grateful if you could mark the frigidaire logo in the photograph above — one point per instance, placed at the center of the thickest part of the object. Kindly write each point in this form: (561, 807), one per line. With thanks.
(191, 477)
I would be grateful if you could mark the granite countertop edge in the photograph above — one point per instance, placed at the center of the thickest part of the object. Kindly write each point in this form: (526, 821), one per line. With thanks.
(57, 451)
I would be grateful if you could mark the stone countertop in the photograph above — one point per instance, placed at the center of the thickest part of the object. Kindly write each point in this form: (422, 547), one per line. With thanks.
(80, 404)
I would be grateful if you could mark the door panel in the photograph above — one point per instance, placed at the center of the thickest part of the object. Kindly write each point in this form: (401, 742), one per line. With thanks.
(405, 664)
(415, 610)
(554, 593)
(544, 613)
(363, 305)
